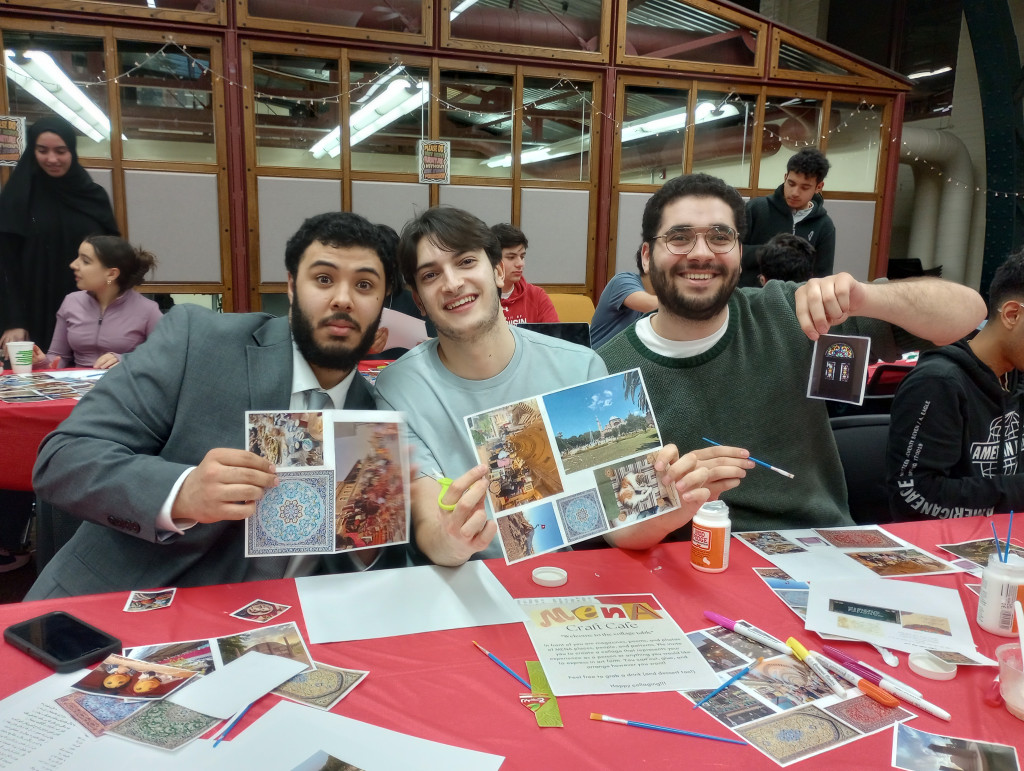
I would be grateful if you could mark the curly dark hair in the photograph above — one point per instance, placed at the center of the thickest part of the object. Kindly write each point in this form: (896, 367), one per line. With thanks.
(786, 257)
(509, 236)
(698, 186)
(340, 229)
(810, 162)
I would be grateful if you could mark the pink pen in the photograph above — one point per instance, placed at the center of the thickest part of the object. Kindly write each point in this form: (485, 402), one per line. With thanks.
(750, 632)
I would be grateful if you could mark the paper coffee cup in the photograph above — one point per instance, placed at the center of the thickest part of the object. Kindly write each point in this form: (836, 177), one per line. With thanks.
(20, 355)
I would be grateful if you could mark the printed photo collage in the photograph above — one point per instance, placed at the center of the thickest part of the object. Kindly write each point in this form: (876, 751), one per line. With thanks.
(572, 464)
(344, 482)
(854, 551)
(124, 696)
(42, 387)
(780, 706)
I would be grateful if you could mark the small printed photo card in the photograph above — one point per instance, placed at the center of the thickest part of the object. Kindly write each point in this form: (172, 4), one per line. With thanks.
(571, 464)
(260, 611)
(344, 482)
(141, 601)
(322, 688)
(133, 679)
(839, 368)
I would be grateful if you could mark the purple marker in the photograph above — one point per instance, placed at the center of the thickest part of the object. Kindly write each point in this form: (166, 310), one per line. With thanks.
(750, 632)
(865, 671)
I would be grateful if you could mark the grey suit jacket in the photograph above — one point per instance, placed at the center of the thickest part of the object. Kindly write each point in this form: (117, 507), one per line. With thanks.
(113, 462)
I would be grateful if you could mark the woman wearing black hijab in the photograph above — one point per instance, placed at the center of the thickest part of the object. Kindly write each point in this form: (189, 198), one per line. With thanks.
(47, 208)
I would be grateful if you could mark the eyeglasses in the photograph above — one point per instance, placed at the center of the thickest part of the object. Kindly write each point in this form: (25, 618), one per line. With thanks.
(719, 238)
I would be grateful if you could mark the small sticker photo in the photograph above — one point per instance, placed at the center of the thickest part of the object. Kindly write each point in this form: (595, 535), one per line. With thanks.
(260, 611)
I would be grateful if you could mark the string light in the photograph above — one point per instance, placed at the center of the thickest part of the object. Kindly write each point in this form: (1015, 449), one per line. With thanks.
(399, 68)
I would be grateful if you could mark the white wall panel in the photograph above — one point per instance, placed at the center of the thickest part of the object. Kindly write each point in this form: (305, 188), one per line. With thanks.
(284, 203)
(175, 216)
(555, 222)
(491, 204)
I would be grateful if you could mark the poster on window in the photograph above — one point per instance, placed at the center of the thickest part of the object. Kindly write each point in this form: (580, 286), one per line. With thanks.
(435, 161)
(12, 139)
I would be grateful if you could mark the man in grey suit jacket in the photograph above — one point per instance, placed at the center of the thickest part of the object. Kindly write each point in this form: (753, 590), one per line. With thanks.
(151, 459)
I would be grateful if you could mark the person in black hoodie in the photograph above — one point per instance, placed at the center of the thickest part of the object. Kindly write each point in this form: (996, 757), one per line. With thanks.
(795, 207)
(954, 439)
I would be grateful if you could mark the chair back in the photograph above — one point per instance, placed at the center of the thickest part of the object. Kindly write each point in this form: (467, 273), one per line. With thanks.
(862, 440)
(573, 307)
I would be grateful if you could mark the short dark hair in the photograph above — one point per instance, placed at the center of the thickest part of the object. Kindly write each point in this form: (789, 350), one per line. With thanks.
(115, 252)
(786, 257)
(509, 236)
(698, 186)
(810, 162)
(341, 229)
(1007, 283)
(448, 228)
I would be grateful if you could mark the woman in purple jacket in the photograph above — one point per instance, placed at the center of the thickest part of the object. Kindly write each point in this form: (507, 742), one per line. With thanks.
(107, 318)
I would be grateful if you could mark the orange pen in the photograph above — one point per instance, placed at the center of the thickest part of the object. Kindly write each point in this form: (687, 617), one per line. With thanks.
(884, 698)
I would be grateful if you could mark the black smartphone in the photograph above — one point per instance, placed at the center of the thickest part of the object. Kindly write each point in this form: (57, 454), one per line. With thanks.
(61, 641)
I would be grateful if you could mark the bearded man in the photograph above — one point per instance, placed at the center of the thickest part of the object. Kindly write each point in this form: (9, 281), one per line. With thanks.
(733, 363)
(151, 459)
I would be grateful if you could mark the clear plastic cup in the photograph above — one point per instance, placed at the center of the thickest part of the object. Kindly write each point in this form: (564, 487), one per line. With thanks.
(20, 355)
(1011, 678)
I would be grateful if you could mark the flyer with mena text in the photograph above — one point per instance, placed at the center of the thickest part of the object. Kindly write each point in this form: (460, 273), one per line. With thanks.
(613, 644)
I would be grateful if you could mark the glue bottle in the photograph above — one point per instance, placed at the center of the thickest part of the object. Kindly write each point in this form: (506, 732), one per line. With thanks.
(1001, 584)
(709, 547)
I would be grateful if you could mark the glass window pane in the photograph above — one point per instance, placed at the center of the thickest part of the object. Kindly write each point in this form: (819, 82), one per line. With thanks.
(653, 134)
(360, 14)
(297, 111)
(166, 103)
(571, 26)
(476, 117)
(669, 29)
(724, 135)
(556, 129)
(387, 116)
(62, 75)
(789, 126)
(853, 146)
(791, 58)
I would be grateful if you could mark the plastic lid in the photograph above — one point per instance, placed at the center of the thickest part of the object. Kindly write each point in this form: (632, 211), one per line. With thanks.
(549, 576)
(932, 667)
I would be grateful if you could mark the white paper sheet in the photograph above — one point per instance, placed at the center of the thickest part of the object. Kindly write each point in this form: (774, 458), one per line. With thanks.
(289, 734)
(903, 615)
(414, 600)
(403, 331)
(232, 687)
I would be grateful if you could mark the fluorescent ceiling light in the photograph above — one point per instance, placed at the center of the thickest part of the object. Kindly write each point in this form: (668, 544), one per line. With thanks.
(384, 109)
(465, 4)
(41, 77)
(929, 73)
(673, 120)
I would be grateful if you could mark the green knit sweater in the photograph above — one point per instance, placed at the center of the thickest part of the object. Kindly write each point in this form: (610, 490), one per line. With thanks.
(749, 391)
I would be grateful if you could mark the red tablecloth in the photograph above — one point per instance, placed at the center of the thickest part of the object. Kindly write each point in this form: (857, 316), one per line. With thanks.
(22, 428)
(439, 687)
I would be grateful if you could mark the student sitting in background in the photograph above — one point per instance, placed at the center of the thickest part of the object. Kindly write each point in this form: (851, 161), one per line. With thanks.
(787, 258)
(107, 317)
(626, 298)
(521, 301)
(954, 440)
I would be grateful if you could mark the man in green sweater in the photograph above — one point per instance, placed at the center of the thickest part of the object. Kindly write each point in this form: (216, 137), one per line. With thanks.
(732, 364)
